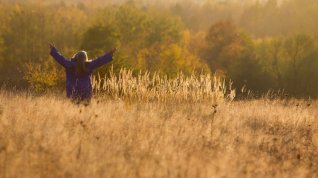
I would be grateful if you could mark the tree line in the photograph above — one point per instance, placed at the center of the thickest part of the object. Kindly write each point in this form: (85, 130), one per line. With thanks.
(260, 46)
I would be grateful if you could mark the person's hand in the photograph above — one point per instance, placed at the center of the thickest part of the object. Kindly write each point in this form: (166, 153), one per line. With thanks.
(113, 51)
(51, 45)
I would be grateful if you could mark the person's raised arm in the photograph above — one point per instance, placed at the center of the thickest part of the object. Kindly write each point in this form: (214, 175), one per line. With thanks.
(103, 59)
(58, 57)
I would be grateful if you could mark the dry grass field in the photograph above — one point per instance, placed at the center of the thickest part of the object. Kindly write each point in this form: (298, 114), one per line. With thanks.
(48, 136)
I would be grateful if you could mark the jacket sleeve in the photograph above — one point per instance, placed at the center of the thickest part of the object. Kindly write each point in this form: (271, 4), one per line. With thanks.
(59, 58)
(101, 61)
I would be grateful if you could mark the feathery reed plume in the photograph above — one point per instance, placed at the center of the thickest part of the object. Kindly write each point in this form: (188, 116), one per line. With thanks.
(152, 87)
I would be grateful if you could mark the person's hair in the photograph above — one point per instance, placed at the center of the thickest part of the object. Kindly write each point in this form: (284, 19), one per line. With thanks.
(80, 65)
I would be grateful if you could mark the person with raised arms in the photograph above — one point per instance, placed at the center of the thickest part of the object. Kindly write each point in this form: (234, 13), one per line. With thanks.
(79, 72)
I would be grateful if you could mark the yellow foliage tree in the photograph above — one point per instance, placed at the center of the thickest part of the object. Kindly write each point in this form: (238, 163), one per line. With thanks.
(175, 58)
(42, 76)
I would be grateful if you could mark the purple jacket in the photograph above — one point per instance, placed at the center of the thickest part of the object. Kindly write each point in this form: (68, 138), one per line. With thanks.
(79, 87)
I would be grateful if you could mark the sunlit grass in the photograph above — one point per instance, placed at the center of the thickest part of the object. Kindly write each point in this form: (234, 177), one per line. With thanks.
(153, 87)
(48, 136)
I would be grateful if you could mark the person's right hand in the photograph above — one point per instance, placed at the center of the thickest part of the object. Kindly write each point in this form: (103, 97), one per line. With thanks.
(51, 45)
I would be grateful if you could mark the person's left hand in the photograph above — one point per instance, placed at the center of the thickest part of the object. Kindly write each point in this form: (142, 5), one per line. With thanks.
(113, 51)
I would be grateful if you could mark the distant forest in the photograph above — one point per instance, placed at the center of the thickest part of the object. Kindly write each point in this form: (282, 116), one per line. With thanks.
(259, 45)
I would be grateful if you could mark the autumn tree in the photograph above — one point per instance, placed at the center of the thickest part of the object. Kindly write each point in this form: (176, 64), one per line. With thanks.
(29, 29)
(223, 45)
(146, 36)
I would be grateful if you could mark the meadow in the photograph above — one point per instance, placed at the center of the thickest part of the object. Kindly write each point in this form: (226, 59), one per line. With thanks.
(197, 89)
(49, 136)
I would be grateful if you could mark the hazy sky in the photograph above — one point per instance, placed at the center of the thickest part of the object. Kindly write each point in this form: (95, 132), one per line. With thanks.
(153, 1)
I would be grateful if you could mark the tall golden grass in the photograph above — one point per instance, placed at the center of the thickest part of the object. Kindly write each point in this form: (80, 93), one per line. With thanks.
(118, 136)
(153, 87)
